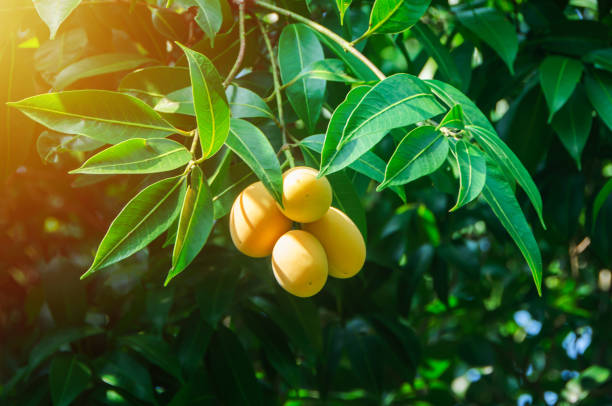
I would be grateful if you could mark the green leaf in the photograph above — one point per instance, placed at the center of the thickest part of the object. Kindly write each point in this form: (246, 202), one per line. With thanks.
(368, 164)
(152, 84)
(49, 144)
(120, 370)
(599, 89)
(499, 195)
(137, 156)
(601, 58)
(331, 70)
(251, 145)
(54, 12)
(357, 66)
(245, 103)
(558, 77)
(446, 64)
(298, 47)
(472, 172)
(170, 24)
(215, 295)
(210, 103)
(345, 198)
(234, 376)
(494, 29)
(479, 126)
(453, 119)
(53, 56)
(102, 115)
(343, 6)
(392, 16)
(142, 220)
(398, 101)
(600, 199)
(209, 17)
(421, 152)
(573, 123)
(98, 65)
(177, 102)
(192, 343)
(156, 351)
(195, 223)
(68, 378)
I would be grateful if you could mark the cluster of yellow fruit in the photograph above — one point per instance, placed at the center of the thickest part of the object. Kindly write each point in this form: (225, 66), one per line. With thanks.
(328, 243)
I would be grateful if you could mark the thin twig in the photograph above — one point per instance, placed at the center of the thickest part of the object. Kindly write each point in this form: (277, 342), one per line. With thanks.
(239, 59)
(328, 33)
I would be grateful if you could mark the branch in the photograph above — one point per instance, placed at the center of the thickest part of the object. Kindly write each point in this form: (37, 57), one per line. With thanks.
(239, 59)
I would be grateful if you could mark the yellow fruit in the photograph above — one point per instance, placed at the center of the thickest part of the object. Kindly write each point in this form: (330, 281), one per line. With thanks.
(299, 263)
(342, 241)
(305, 198)
(256, 223)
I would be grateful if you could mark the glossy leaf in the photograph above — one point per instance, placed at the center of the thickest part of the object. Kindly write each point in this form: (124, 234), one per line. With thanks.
(54, 12)
(245, 103)
(368, 164)
(479, 126)
(472, 172)
(453, 119)
(299, 47)
(68, 378)
(494, 29)
(98, 65)
(421, 152)
(599, 89)
(398, 101)
(392, 16)
(573, 124)
(155, 350)
(102, 115)
(499, 195)
(251, 145)
(137, 156)
(211, 108)
(209, 17)
(558, 78)
(343, 6)
(195, 223)
(142, 220)
(601, 58)
(446, 64)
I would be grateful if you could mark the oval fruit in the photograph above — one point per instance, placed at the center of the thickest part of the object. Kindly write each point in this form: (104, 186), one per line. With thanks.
(342, 241)
(256, 223)
(299, 263)
(305, 198)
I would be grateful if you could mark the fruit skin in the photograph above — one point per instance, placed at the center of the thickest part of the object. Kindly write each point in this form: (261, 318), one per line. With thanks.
(305, 198)
(299, 263)
(256, 223)
(342, 241)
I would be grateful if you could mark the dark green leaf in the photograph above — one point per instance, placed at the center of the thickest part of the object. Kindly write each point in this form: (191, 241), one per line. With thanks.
(361, 70)
(193, 342)
(558, 77)
(54, 12)
(98, 65)
(299, 47)
(392, 16)
(573, 123)
(601, 58)
(68, 378)
(120, 370)
(142, 220)
(421, 152)
(195, 223)
(216, 293)
(251, 145)
(155, 350)
(105, 116)
(211, 107)
(599, 89)
(472, 172)
(446, 64)
(137, 156)
(600, 199)
(493, 28)
(499, 195)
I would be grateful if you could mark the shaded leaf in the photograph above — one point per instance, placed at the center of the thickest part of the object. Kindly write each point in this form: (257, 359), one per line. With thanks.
(120, 370)
(245, 103)
(209, 17)
(599, 89)
(54, 12)
(53, 56)
(600, 199)
(156, 351)
(195, 223)
(152, 84)
(601, 58)
(142, 220)
(216, 294)
(558, 77)
(331, 70)
(137, 156)
(421, 152)
(68, 378)
(299, 47)
(446, 64)
(345, 198)
(102, 115)
(472, 172)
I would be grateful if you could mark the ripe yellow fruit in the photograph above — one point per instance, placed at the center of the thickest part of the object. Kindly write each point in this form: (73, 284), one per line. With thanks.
(299, 263)
(342, 241)
(305, 198)
(256, 223)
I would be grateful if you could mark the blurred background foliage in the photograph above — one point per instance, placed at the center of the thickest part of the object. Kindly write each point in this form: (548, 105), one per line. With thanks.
(443, 313)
